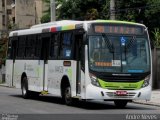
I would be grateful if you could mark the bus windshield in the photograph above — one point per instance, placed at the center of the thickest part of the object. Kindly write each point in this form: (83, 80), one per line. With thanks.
(119, 54)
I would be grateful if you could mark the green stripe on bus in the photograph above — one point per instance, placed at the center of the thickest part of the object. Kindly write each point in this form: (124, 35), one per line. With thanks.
(121, 85)
(68, 27)
(118, 22)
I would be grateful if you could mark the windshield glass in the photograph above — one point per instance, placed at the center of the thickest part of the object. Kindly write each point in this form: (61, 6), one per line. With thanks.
(119, 54)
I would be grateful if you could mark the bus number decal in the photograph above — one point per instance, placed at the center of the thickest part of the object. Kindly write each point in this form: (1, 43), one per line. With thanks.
(116, 62)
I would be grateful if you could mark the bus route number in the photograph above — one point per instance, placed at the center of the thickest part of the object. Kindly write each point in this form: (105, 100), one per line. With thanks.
(116, 63)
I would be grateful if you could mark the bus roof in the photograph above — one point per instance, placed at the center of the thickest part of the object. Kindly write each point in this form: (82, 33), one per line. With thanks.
(63, 25)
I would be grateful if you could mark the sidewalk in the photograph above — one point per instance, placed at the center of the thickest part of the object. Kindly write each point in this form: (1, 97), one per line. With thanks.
(155, 99)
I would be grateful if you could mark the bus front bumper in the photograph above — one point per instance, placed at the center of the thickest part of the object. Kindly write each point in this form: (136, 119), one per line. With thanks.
(93, 92)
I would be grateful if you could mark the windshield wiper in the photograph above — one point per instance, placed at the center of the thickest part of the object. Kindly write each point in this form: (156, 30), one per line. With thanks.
(130, 44)
(109, 45)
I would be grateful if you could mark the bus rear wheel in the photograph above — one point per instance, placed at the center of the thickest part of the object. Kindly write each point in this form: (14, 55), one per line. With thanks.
(67, 96)
(120, 103)
(24, 87)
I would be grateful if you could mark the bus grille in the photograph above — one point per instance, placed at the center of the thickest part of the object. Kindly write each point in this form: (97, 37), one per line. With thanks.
(114, 95)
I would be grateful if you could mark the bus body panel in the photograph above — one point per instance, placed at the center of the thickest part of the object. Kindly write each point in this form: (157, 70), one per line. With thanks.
(94, 92)
(34, 72)
(9, 71)
(45, 77)
(82, 85)
(56, 71)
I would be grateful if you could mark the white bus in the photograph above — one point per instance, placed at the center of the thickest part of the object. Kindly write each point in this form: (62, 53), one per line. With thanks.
(87, 60)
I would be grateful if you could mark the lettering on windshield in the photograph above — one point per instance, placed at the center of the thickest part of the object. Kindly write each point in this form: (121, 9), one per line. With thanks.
(116, 63)
(103, 64)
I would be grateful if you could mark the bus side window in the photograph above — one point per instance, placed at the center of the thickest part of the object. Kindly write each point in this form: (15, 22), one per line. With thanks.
(14, 48)
(66, 41)
(37, 47)
(30, 46)
(21, 47)
(27, 51)
(54, 46)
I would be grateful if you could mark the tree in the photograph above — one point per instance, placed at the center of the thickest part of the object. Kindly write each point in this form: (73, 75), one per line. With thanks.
(141, 11)
(156, 37)
(68, 9)
(131, 10)
(79, 10)
(3, 47)
(91, 14)
(152, 14)
(46, 17)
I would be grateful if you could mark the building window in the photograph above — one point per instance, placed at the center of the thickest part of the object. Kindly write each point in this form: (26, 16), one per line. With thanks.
(9, 12)
(13, 1)
(3, 19)
(13, 19)
(9, 2)
(3, 3)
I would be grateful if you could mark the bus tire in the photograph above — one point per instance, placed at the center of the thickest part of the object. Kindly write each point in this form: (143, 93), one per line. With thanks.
(24, 88)
(120, 103)
(67, 96)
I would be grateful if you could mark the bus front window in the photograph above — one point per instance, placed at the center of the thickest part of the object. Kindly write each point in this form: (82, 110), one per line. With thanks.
(119, 54)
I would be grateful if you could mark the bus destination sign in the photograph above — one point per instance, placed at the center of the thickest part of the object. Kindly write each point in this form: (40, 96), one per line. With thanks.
(119, 29)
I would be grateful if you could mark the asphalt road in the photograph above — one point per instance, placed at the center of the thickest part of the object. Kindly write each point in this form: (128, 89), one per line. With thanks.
(12, 104)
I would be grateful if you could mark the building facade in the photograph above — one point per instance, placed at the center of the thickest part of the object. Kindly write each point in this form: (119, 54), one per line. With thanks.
(17, 14)
(20, 14)
(5, 12)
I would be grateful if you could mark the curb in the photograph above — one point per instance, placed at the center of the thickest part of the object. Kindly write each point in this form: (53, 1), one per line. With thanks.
(149, 103)
(5, 85)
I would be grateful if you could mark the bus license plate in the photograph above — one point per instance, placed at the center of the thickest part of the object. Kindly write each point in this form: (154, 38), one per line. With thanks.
(119, 93)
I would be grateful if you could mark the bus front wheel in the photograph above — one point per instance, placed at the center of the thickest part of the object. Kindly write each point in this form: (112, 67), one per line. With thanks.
(120, 103)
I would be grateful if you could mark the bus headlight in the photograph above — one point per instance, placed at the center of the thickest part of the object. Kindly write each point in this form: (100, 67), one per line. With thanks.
(146, 81)
(94, 80)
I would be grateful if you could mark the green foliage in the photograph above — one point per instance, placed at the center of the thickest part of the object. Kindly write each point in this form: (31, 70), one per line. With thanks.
(3, 48)
(131, 10)
(152, 14)
(45, 18)
(91, 14)
(141, 11)
(156, 34)
(80, 10)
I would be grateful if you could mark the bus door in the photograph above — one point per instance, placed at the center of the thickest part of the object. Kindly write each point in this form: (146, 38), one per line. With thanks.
(79, 56)
(44, 57)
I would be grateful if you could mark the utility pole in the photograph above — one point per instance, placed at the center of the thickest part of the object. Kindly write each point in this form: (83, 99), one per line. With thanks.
(112, 10)
(53, 10)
